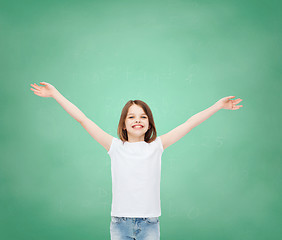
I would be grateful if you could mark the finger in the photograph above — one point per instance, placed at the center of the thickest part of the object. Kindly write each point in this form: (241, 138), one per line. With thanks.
(230, 97)
(226, 99)
(236, 101)
(35, 86)
(237, 107)
(35, 91)
(43, 83)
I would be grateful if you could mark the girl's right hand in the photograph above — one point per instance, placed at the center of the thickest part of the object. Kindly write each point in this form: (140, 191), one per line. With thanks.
(47, 90)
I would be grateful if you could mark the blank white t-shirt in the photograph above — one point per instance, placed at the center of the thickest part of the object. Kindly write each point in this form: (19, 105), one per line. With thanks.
(136, 177)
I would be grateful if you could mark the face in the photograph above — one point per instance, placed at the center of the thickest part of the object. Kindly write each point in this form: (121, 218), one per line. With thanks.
(136, 115)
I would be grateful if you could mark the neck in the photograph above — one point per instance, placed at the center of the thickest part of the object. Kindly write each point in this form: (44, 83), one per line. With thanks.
(135, 139)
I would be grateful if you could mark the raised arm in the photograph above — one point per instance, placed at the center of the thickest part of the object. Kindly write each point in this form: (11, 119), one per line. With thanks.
(180, 131)
(96, 132)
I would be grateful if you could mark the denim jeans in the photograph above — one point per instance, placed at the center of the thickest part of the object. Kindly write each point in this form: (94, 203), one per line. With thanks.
(125, 228)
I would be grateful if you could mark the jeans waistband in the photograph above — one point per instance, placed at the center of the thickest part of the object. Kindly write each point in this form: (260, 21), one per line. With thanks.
(134, 218)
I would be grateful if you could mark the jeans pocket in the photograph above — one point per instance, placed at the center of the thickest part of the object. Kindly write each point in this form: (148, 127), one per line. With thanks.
(152, 220)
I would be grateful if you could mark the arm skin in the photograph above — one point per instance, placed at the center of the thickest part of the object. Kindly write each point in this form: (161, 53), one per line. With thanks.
(92, 128)
(180, 131)
(200, 117)
(48, 90)
(69, 107)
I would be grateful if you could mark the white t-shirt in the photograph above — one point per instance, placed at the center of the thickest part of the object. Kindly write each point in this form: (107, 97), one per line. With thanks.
(136, 177)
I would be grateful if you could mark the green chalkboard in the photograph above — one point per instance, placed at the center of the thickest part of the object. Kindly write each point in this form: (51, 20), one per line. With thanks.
(220, 181)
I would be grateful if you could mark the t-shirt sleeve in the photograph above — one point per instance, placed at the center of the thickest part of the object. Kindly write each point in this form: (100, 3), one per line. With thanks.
(159, 141)
(113, 144)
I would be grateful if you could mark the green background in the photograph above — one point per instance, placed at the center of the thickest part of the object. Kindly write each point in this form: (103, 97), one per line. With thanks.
(220, 181)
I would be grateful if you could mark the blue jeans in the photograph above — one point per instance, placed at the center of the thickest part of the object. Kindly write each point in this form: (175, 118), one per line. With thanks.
(125, 228)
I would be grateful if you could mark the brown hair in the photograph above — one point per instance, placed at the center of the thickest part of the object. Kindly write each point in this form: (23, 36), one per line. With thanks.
(151, 133)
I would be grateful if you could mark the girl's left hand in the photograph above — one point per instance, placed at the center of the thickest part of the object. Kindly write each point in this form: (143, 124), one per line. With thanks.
(225, 103)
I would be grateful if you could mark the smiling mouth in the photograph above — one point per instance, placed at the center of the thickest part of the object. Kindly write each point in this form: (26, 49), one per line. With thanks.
(138, 127)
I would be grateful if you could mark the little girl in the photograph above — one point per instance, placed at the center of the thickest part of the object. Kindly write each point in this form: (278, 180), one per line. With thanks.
(135, 161)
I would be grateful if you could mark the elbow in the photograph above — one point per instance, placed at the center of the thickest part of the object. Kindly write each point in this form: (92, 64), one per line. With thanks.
(82, 120)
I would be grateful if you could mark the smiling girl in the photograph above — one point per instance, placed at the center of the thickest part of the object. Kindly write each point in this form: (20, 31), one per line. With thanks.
(135, 160)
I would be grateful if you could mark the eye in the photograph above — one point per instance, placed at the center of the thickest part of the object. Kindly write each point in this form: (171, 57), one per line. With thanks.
(131, 117)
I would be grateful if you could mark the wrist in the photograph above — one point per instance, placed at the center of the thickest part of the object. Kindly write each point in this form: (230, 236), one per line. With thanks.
(218, 105)
(56, 94)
